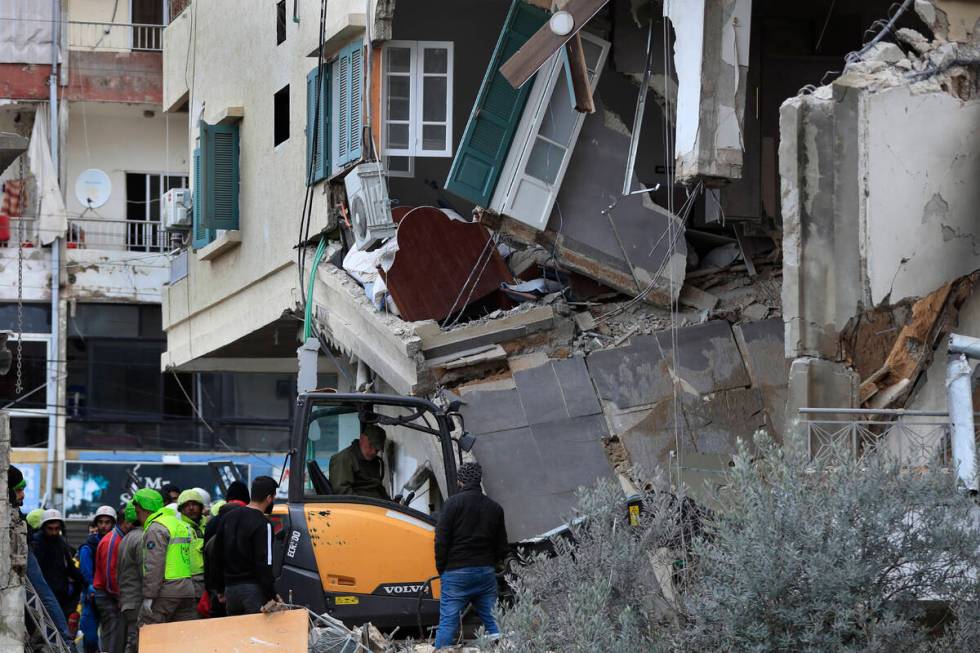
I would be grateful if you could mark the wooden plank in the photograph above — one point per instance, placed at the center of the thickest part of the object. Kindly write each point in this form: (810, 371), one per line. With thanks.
(286, 631)
(544, 43)
(579, 74)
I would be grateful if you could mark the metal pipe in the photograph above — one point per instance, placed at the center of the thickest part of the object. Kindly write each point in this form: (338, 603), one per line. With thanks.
(875, 411)
(964, 345)
(959, 397)
(641, 103)
(55, 344)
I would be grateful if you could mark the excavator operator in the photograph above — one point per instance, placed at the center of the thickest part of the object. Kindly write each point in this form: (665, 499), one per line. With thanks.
(358, 469)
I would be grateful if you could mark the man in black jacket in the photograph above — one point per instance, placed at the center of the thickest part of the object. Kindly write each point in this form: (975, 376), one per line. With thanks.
(470, 540)
(242, 557)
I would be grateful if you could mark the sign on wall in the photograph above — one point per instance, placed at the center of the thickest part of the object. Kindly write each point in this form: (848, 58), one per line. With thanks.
(89, 485)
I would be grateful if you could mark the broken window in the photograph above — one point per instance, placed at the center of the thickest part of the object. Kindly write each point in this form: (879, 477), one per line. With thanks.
(281, 115)
(280, 21)
(417, 92)
(545, 138)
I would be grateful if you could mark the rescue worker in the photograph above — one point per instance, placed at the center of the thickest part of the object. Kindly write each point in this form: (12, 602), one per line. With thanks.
(236, 496)
(22, 558)
(145, 502)
(358, 469)
(103, 522)
(470, 540)
(55, 558)
(206, 497)
(169, 592)
(33, 518)
(106, 584)
(191, 507)
(243, 553)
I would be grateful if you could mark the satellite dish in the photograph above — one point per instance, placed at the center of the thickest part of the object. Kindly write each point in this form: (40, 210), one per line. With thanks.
(93, 188)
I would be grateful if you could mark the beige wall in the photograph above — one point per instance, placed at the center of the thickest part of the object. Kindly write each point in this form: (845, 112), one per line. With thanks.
(84, 37)
(240, 65)
(119, 138)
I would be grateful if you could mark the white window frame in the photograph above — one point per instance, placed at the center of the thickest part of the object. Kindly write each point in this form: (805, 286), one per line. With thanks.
(407, 174)
(50, 391)
(513, 172)
(416, 77)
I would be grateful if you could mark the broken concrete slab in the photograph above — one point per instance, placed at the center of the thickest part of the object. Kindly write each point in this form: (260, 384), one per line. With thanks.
(635, 375)
(520, 322)
(761, 345)
(717, 422)
(557, 390)
(707, 359)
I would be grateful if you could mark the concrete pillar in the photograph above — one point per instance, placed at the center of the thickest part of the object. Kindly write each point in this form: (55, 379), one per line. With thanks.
(818, 383)
(12, 594)
(711, 58)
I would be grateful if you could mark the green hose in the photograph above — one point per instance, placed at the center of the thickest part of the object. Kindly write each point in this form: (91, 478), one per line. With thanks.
(308, 311)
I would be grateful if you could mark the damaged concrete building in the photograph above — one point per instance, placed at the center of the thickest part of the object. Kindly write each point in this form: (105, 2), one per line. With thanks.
(622, 233)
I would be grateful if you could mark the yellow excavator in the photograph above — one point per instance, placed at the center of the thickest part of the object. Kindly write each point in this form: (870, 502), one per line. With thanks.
(361, 559)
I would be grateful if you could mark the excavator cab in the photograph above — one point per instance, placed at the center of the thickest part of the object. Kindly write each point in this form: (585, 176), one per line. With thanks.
(357, 558)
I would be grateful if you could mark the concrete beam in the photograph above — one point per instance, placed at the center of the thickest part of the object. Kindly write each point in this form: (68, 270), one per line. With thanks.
(711, 57)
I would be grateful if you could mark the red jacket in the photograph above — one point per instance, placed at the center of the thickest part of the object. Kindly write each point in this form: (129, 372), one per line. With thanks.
(106, 559)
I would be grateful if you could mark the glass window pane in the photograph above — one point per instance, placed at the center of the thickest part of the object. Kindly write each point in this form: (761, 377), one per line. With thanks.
(34, 363)
(545, 160)
(399, 97)
(436, 61)
(559, 116)
(402, 164)
(36, 318)
(28, 431)
(434, 99)
(398, 60)
(592, 54)
(433, 137)
(397, 136)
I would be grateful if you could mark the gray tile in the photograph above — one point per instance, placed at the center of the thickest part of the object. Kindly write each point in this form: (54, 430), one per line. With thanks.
(540, 394)
(488, 411)
(635, 375)
(576, 387)
(707, 358)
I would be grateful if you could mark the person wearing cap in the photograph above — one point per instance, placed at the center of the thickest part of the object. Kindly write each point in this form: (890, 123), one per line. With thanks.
(358, 469)
(242, 559)
(22, 558)
(191, 507)
(55, 558)
(206, 497)
(169, 592)
(34, 519)
(103, 522)
(130, 568)
(471, 539)
(106, 583)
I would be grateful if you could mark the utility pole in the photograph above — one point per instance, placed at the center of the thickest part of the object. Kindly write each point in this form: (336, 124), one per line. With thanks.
(55, 388)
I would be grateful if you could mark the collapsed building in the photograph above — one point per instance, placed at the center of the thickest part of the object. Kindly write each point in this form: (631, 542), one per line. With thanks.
(622, 233)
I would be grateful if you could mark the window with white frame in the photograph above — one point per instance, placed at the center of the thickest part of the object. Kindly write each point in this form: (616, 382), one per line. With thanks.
(417, 98)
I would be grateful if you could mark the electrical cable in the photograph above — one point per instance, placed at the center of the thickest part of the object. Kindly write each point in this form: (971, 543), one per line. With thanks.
(191, 401)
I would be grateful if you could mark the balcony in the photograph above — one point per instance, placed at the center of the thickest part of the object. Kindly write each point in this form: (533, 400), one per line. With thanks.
(97, 234)
(115, 37)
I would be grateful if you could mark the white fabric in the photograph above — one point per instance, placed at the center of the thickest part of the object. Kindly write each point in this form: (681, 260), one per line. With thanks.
(363, 266)
(52, 217)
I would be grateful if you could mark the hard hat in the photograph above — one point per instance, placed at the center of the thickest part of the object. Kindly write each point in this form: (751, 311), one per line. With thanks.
(130, 512)
(189, 495)
(34, 518)
(105, 511)
(51, 515)
(217, 506)
(204, 495)
(148, 499)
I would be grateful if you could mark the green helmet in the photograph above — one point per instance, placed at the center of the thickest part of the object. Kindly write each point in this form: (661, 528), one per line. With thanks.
(130, 512)
(147, 499)
(34, 518)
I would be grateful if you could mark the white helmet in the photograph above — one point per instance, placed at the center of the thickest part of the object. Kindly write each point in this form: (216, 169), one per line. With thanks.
(204, 495)
(106, 511)
(51, 514)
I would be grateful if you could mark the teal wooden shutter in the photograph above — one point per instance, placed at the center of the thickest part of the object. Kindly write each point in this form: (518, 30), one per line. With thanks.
(201, 235)
(355, 113)
(496, 112)
(321, 167)
(219, 168)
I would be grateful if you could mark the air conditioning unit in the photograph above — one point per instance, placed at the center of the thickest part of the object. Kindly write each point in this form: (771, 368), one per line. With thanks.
(370, 210)
(176, 206)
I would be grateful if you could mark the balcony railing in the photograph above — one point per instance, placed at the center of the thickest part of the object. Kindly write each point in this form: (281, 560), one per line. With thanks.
(23, 230)
(127, 235)
(916, 438)
(115, 36)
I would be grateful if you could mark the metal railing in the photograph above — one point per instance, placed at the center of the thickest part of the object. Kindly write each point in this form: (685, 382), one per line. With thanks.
(84, 35)
(128, 235)
(29, 233)
(916, 438)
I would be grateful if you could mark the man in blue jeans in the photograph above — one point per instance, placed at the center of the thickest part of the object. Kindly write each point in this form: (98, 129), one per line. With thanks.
(470, 540)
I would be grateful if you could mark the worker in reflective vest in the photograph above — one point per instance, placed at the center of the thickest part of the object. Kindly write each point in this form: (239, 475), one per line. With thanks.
(191, 509)
(169, 592)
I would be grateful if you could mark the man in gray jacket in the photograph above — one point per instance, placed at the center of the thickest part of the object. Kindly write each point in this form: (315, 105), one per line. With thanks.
(169, 591)
(130, 573)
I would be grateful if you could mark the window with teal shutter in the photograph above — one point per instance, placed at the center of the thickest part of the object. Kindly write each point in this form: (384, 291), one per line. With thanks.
(320, 168)
(348, 74)
(201, 234)
(220, 175)
(496, 112)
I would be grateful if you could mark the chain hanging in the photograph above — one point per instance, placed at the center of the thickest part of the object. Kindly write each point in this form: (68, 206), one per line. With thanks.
(19, 383)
